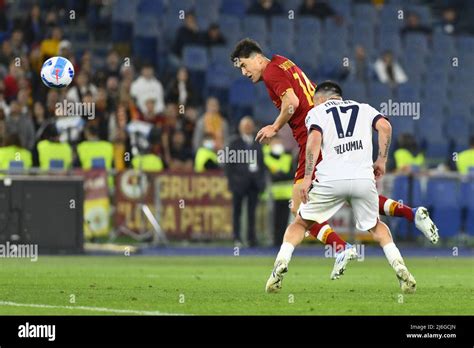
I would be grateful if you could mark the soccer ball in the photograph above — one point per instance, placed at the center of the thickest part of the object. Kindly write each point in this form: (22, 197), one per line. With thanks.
(57, 72)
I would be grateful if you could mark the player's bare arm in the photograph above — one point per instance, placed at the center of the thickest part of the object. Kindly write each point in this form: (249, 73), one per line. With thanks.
(289, 103)
(384, 129)
(312, 152)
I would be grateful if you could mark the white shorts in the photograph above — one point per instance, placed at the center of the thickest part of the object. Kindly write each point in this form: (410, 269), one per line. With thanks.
(326, 198)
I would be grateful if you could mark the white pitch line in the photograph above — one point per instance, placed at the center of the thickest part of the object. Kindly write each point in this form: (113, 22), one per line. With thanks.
(93, 309)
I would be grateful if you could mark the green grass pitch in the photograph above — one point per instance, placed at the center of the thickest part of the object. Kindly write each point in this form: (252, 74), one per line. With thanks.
(93, 285)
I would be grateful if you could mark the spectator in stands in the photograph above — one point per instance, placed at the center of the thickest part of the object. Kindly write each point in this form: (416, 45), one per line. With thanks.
(23, 99)
(212, 123)
(388, 70)
(50, 47)
(188, 34)
(279, 164)
(265, 8)
(33, 26)
(181, 156)
(449, 21)
(206, 155)
(149, 116)
(413, 25)
(465, 160)
(12, 80)
(111, 69)
(80, 88)
(53, 154)
(320, 9)
(65, 50)
(359, 68)
(21, 124)
(12, 152)
(39, 115)
(181, 90)
(246, 180)
(213, 36)
(6, 56)
(408, 157)
(19, 47)
(113, 92)
(119, 137)
(146, 86)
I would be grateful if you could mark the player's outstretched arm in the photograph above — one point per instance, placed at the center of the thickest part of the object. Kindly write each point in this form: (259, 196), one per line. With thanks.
(289, 103)
(313, 146)
(384, 129)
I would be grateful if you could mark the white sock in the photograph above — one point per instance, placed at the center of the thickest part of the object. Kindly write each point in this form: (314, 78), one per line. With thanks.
(286, 250)
(392, 253)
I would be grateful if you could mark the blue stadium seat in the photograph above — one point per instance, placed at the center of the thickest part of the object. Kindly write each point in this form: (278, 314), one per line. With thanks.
(195, 58)
(416, 43)
(208, 9)
(282, 25)
(401, 192)
(363, 34)
(465, 44)
(255, 25)
(151, 7)
(282, 45)
(432, 108)
(311, 49)
(122, 32)
(219, 54)
(389, 39)
(430, 128)
(467, 190)
(124, 11)
(334, 31)
(146, 25)
(379, 93)
(390, 16)
(434, 93)
(242, 97)
(457, 128)
(308, 27)
(444, 44)
(264, 111)
(442, 195)
(145, 48)
(365, 12)
(291, 5)
(355, 90)
(408, 92)
(402, 125)
(423, 11)
(235, 8)
(174, 7)
(343, 8)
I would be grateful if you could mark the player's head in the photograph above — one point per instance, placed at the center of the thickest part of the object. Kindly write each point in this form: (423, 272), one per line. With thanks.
(249, 58)
(327, 90)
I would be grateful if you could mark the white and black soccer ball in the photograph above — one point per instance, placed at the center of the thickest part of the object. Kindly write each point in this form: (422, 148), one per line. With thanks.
(57, 72)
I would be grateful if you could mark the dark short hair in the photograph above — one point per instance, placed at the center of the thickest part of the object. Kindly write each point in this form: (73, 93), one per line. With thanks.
(245, 48)
(329, 86)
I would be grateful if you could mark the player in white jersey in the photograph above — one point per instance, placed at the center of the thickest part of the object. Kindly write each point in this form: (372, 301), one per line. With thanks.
(342, 131)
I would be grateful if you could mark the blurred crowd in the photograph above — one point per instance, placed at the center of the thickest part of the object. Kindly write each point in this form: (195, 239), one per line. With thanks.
(123, 91)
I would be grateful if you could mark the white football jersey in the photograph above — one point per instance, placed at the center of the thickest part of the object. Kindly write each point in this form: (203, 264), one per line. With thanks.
(346, 128)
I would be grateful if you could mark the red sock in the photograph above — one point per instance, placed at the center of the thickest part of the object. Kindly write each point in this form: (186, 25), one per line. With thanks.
(325, 234)
(389, 207)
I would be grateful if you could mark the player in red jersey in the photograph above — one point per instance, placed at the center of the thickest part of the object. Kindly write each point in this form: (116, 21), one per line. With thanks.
(292, 93)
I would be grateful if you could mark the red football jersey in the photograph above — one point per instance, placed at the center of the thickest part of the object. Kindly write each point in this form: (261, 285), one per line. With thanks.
(280, 75)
